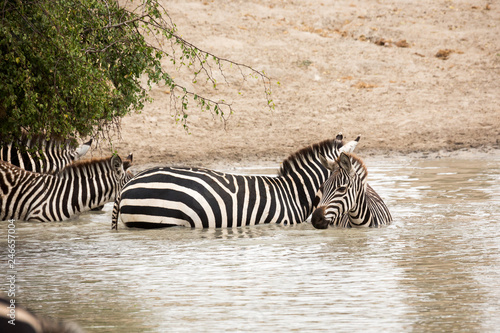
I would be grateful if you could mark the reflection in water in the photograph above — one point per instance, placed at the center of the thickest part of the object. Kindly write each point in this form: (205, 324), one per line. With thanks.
(452, 250)
(437, 268)
(443, 294)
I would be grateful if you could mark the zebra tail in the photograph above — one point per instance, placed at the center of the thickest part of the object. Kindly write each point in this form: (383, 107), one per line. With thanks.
(116, 212)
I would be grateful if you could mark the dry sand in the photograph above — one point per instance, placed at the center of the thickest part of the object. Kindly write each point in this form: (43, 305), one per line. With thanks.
(409, 76)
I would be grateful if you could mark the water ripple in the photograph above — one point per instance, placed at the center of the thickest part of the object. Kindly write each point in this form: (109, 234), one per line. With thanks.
(437, 268)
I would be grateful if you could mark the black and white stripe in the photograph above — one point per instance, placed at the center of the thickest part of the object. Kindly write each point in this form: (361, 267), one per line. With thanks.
(202, 198)
(79, 187)
(40, 155)
(346, 199)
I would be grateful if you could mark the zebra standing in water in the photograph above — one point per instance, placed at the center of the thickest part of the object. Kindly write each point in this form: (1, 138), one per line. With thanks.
(40, 155)
(79, 187)
(202, 198)
(346, 199)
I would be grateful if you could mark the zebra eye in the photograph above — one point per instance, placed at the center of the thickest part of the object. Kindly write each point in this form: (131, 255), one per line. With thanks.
(342, 188)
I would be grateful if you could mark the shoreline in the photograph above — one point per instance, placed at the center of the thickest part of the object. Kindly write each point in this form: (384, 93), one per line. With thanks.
(274, 162)
(334, 76)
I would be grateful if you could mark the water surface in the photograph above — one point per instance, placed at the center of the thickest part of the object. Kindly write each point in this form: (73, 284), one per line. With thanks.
(436, 268)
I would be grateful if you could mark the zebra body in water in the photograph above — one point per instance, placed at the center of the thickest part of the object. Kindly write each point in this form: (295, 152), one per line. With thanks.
(346, 199)
(202, 198)
(79, 187)
(37, 154)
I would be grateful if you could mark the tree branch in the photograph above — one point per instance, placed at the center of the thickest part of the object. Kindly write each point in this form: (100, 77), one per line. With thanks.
(125, 23)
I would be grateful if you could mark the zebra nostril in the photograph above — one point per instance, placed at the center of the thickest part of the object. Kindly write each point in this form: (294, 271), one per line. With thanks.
(318, 218)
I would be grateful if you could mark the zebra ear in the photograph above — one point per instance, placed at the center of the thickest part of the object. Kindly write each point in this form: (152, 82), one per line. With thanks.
(83, 149)
(116, 162)
(344, 162)
(349, 147)
(330, 165)
(128, 161)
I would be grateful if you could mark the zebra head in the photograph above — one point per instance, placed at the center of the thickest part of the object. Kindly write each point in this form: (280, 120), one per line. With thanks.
(127, 164)
(338, 194)
(123, 175)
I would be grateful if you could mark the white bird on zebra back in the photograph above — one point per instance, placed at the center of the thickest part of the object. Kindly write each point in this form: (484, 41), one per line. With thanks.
(79, 187)
(346, 199)
(203, 198)
(40, 155)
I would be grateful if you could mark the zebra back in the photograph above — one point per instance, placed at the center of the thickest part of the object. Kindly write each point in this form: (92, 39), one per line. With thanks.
(346, 199)
(40, 155)
(79, 187)
(203, 198)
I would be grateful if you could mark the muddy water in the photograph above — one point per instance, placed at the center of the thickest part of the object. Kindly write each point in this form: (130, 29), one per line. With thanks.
(437, 268)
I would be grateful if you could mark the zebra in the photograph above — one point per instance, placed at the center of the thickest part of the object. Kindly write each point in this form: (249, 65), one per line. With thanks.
(346, 199)
(79, 187)
(40, 155)
(17, 319)
(203, 198)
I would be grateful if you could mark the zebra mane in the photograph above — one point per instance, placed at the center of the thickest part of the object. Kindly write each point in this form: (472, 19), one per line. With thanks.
(78, 165)
(358, 165)
(308, 153)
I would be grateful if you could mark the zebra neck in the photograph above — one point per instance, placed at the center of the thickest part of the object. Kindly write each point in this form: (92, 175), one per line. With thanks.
(87, 186)
(299, 187)
(371, 210)
(50, 156)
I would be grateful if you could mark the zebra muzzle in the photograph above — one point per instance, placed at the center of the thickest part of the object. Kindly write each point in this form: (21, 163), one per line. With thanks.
(318, 219)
